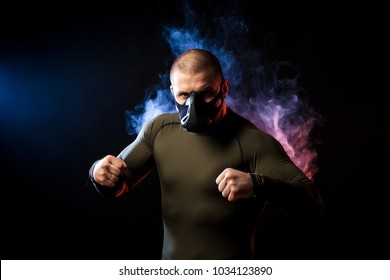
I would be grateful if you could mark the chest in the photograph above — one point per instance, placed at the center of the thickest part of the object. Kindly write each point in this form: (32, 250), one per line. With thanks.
(201, 158)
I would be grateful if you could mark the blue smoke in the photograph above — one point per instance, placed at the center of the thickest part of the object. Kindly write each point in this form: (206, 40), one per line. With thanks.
(264, 91)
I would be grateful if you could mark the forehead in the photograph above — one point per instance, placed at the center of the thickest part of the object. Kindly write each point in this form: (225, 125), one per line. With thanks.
(182, 80)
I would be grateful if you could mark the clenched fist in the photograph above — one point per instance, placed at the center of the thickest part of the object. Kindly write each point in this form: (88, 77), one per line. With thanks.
(235, 184)
(108, 170)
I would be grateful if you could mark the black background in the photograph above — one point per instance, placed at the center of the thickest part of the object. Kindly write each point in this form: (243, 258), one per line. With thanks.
(69, 71)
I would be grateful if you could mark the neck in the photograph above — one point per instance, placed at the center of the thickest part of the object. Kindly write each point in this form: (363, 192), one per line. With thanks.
(222, 113)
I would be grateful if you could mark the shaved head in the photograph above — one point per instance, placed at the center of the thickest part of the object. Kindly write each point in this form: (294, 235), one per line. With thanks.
(195, 61)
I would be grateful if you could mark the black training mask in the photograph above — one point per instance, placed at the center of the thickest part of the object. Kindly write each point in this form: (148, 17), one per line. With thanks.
(197, 115)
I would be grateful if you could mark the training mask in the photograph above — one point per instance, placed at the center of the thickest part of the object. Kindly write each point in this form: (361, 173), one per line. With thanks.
(197, 115)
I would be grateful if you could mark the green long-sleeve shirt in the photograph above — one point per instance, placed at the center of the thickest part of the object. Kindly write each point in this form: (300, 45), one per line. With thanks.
(199, 223)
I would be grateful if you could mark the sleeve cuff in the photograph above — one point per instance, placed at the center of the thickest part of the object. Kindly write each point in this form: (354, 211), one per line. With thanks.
(258, 183)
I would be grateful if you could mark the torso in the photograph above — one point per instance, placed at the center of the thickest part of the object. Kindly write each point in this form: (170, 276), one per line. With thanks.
(198, 222)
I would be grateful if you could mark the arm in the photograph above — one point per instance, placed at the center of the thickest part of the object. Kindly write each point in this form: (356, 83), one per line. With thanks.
(272, 177)
(300, 200)
(278, 180)
(114, 175)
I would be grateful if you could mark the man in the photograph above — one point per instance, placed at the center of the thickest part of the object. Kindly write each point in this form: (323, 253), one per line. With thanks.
(216, 169)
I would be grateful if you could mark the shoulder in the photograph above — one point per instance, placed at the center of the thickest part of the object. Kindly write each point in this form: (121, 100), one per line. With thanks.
(164, 120)
(160, 121)
(243, 126)
(250, 135)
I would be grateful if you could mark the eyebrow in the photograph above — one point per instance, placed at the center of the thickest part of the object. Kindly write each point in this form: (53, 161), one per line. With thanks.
(208, 88)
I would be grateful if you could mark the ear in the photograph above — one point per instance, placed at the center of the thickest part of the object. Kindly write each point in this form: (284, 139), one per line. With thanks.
(171, 88)
(225, 88)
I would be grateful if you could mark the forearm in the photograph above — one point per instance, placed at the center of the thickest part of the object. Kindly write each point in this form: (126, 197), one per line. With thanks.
(125, 183)
(300, 200)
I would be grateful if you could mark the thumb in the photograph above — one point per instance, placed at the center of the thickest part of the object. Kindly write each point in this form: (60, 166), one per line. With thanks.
(118, 163)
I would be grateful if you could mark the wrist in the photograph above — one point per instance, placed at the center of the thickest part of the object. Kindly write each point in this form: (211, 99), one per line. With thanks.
(258, 183)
